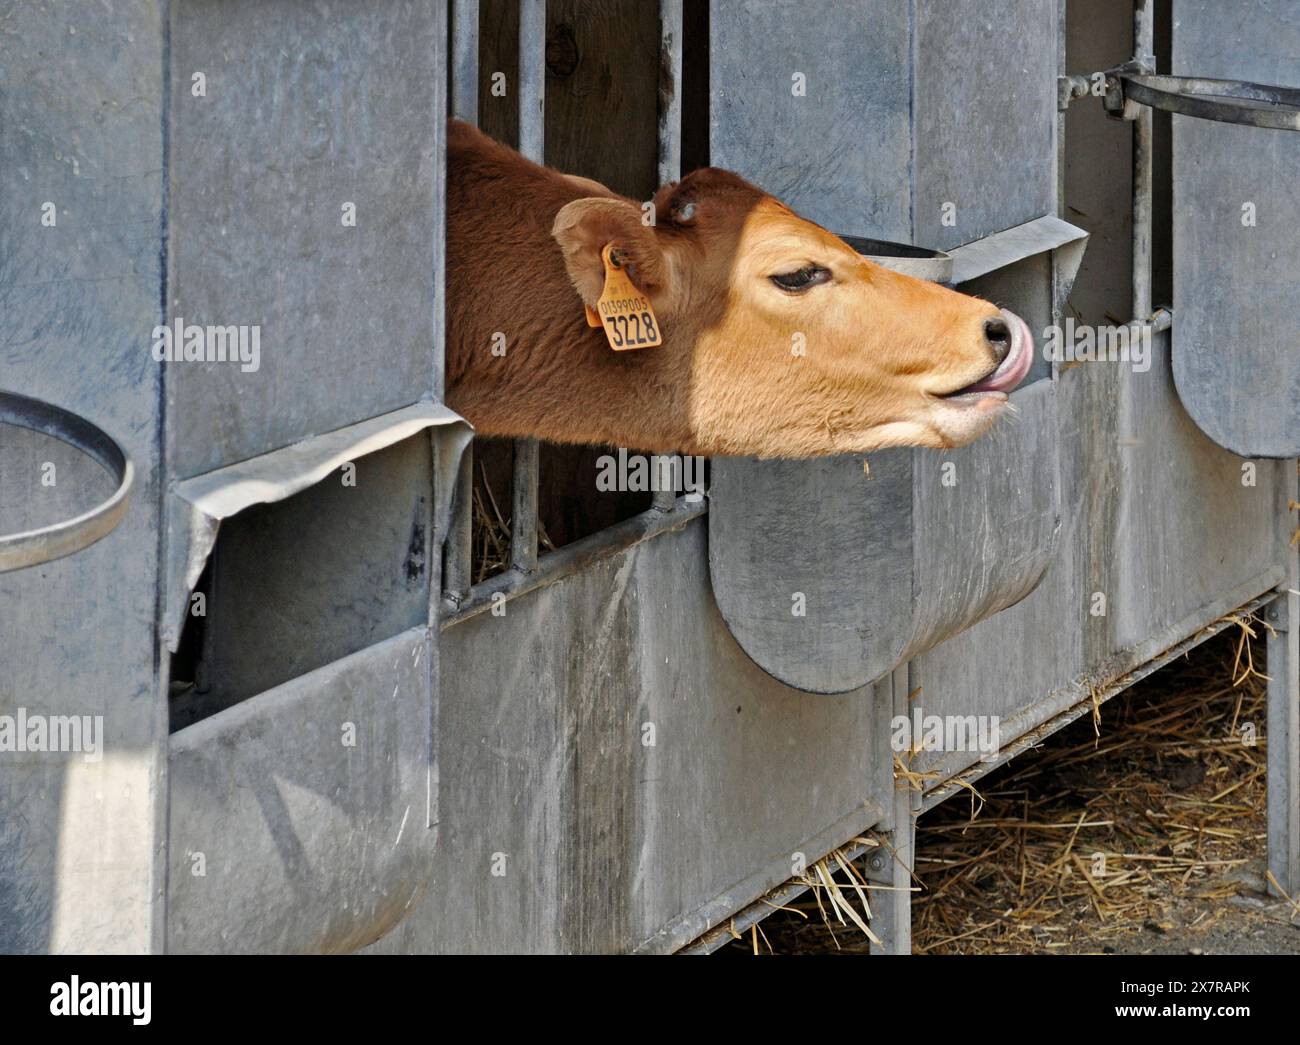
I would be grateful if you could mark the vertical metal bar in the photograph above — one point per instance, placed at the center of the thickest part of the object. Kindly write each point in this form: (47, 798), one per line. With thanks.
(670, 133)
(532, 143)
(892, 865)
(457, 571)
(670, 90)
(1283, 615)
(1143, 45)
(464, 60)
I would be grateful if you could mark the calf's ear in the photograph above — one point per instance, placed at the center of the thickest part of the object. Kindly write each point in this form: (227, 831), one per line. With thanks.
(584, 227)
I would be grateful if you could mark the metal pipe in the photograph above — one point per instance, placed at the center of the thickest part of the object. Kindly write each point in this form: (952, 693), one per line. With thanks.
(523, 512)
(670, 133)
(532, 79)
(532, 143)
(670, 90)
(1143, 45)
(464, 60)
(457, 570)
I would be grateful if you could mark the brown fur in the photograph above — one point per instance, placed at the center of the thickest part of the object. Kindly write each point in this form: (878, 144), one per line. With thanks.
(523, 254)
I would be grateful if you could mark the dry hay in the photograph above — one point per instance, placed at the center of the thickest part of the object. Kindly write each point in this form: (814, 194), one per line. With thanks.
(490, 536)
(1146, 817)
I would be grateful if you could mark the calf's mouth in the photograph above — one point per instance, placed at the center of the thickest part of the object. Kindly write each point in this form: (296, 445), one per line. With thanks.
(1007, 373)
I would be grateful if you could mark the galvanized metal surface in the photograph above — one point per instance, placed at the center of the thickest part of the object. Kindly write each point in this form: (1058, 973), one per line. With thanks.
(600, 766)
(55, 540)
(832, 572)
(297, 818)
(78, 301)
(811, 102)
(812, 564)
(839, 153)
(185, 196)
(1227, 101)
(1236, 360)
(1155, 521)
(198, 506)
(617, 774)
(1088, 698)
(1048, 233)
(934, 265)
(315, 106)
(1283, 622)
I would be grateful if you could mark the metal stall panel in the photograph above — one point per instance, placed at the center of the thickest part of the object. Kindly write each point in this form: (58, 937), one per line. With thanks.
(81, 203)
(298, 818)
(1155, 520)
(314, 116)
(616, 773)
(306, 200)
(984, 88)
(815, 564)
(1236, 253)
(811, 101)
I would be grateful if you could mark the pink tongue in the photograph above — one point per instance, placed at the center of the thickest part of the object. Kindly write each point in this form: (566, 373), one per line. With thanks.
(1013, 369)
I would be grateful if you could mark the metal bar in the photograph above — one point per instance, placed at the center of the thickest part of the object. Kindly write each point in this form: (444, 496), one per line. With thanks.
(457, 570)
(1227, 101)
(532, 143)
(464, 60)
(670, 133)
(572, 559)
(46, 543)
(893, 908)
(1283, 617)
(1143, 141)
(523, 515)
(532, 79)
(670, 90)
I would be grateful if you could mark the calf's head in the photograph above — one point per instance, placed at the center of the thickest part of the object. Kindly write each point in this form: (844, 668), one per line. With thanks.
(794, 345)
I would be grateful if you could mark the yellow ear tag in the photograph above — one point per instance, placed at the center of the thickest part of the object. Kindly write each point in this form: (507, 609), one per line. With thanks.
(624, 312)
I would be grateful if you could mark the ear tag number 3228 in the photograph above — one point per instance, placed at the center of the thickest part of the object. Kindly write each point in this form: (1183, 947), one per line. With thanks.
(623, 311)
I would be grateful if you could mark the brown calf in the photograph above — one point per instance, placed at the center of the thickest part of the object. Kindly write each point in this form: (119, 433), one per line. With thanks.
(779, 340)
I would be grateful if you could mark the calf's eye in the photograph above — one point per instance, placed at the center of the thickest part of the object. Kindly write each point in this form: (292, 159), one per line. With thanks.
(801, 279)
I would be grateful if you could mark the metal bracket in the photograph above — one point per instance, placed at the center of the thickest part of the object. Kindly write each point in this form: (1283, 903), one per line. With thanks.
(1116, 103)
(1068, 88)
(1227, 101)
(33, 547)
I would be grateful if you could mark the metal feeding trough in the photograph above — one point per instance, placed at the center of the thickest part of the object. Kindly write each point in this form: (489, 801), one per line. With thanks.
(33, 547)
(921, 262)
(830, 573)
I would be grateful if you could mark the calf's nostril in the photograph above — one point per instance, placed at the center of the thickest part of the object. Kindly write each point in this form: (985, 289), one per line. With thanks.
(998, 335)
